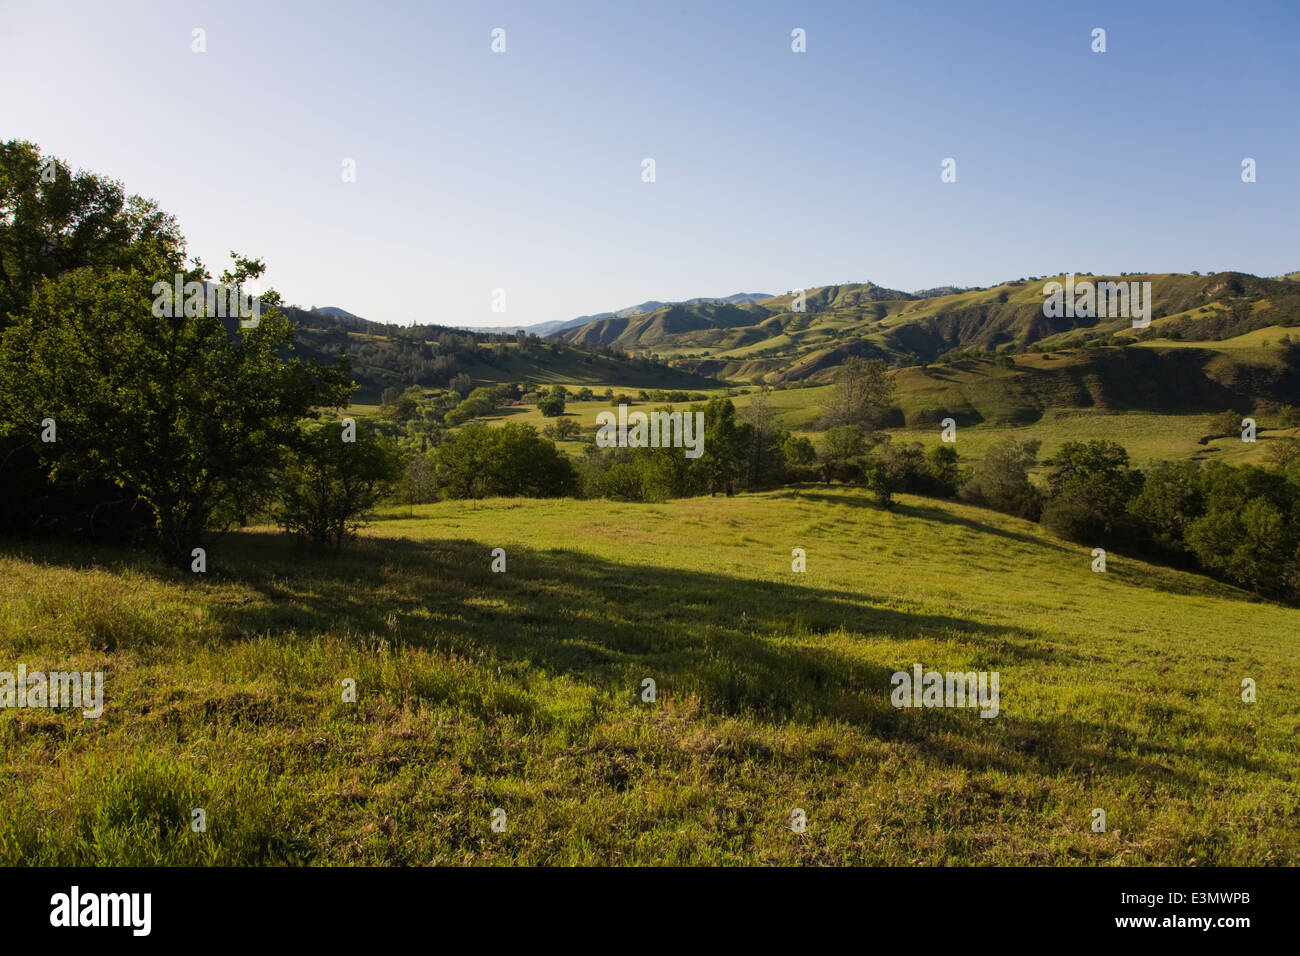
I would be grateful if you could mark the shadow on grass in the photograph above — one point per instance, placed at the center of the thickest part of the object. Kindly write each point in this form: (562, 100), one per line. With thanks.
(926, 512)
(742, 645)
(763, 651)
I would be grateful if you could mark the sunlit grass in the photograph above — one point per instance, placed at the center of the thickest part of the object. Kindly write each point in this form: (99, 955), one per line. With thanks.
(521, 691)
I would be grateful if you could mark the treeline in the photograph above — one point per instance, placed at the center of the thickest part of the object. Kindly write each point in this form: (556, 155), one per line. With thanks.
(431, 356)
(1241, 523)
(749, 450)
(380, 355)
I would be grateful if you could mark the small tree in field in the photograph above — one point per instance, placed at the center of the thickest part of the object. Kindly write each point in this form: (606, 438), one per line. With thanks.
(842, 453)
(1225, 424)
(552, 404)
(1001, 480)
(799, 450)
(1091, 486)
(330, 484)
(861, 394)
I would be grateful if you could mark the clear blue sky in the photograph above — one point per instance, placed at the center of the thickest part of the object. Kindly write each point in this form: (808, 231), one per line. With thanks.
(775, 170)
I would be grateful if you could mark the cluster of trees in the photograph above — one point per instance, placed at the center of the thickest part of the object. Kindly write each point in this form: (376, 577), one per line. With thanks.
(735, 454)
(480, 402)
(119, 423)
(1240, 522)
(887, 467)
(480, 461)
(551, 404)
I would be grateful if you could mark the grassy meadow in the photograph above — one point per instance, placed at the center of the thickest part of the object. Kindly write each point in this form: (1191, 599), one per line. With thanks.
(521, 691)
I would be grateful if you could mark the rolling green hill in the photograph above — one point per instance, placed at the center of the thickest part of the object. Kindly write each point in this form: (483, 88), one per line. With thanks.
(1172, 380)
(1215, 342)
(767, 338)
(988, 356)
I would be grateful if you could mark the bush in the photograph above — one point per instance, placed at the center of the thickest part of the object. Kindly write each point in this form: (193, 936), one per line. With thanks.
(882, 479)
(418, 482)
(943, 471)
(461, 384)
(1225, 424)
(799, 450)
(330, 485)
(1001, 480)
(844, 444)
(904, 468)
(552, 404)
(566, 429)
(484, 400)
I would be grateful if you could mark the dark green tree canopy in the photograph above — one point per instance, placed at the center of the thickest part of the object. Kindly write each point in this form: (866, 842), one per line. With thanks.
(54, 220)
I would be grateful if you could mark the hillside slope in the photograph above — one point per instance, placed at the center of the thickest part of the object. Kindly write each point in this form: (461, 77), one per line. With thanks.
(768, 338)
(523, 691)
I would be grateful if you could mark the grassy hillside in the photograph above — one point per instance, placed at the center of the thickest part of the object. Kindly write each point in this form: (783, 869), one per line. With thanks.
(519, 690)
(768, 338)
(1153, 379)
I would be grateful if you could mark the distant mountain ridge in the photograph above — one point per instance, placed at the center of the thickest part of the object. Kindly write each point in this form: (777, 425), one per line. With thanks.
(785, 338)
(560, 325)
(975, 354)
(806, 335)
(336, 312)
(740, 298)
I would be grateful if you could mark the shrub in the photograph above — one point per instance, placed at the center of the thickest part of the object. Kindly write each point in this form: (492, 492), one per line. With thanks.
(799, 450)
(418, 483)
(844, 444)
(943, 471)
(1225, 424)
(1001, 480)
(552, 404)
(566, 429)
(330, 485)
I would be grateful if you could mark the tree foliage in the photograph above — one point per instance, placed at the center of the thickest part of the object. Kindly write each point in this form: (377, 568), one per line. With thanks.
(483, 462)
(861, 394)
(328, 486)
